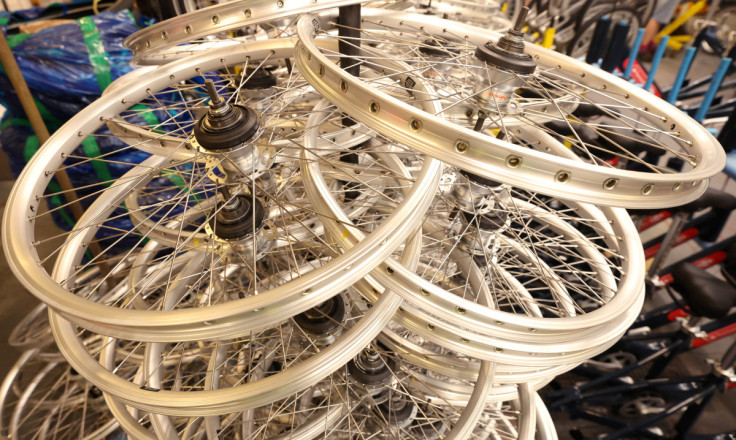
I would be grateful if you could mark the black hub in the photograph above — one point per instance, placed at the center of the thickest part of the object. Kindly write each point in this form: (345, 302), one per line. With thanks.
(224, 126)
(397, 411)
(324, 318)
(258, 79)
(490, 221)
(371, 368)
(95, 392)
(437, 48)
(508, 53)
(237, 218)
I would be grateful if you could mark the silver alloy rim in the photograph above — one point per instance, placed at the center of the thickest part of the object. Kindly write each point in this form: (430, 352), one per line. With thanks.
(422, 295)
(216, 321)
(153, 44)
(501, 160)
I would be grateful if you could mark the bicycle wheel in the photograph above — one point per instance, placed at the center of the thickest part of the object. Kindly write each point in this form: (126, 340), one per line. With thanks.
(159, 282)
(376, 378)
(509, 276)
(603, 118)
(545, 424)
(177, 187)
(561, 16)
(420, 351)
(34, 332)
(40, 399)
(306, 349)
(490, 14)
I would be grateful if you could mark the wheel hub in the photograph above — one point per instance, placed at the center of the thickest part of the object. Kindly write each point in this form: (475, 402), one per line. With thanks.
(238, 217)
(323, 322)
(371, 369)
(225, 126)
(397, 410)
(503, 62)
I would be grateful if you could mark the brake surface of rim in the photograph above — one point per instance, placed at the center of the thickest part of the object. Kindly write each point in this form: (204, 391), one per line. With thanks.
(218, 320)
(391, 112)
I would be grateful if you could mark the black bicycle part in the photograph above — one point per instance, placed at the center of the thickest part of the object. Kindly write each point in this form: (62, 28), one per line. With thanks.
(323, 319)
(729, 266)
(371, 367)
(258, 79)
(396, 412)
(237, 217)
(705, 294)
(598, 43)
(224, 126)
(617, 50)
(508, 52)
(348, 32)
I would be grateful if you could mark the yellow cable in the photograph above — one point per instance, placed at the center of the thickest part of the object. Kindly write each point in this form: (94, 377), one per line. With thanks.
(94, 6)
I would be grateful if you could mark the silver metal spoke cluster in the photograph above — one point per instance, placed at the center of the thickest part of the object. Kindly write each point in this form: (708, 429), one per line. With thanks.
(328, 225)
(487, 86)
(529, 282)
(204, 271)
(42, 399)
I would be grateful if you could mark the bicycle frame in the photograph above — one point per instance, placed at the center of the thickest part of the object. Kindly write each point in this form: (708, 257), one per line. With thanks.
(691, 394)
(653, 349)
(697, 391)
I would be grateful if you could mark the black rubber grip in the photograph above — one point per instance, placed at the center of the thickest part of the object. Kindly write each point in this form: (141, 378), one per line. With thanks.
(617, 49)
(598, 43)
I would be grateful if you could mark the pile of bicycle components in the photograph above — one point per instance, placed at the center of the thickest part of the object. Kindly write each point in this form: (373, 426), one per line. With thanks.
(349, 221)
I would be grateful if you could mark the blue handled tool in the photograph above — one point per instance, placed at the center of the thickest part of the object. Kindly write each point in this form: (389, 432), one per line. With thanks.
(715, 83)
(684, 67)
(658, 54)
(633, 53)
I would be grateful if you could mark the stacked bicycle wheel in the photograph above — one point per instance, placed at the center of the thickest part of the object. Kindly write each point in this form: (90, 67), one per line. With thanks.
(349, 222)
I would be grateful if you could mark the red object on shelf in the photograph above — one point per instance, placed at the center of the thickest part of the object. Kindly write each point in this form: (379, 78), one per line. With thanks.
(703, 263)
(715, 335)
(654, 219)
(679, 313)
(686, 235)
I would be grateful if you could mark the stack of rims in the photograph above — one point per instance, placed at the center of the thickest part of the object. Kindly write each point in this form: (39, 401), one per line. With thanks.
(347, 221)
